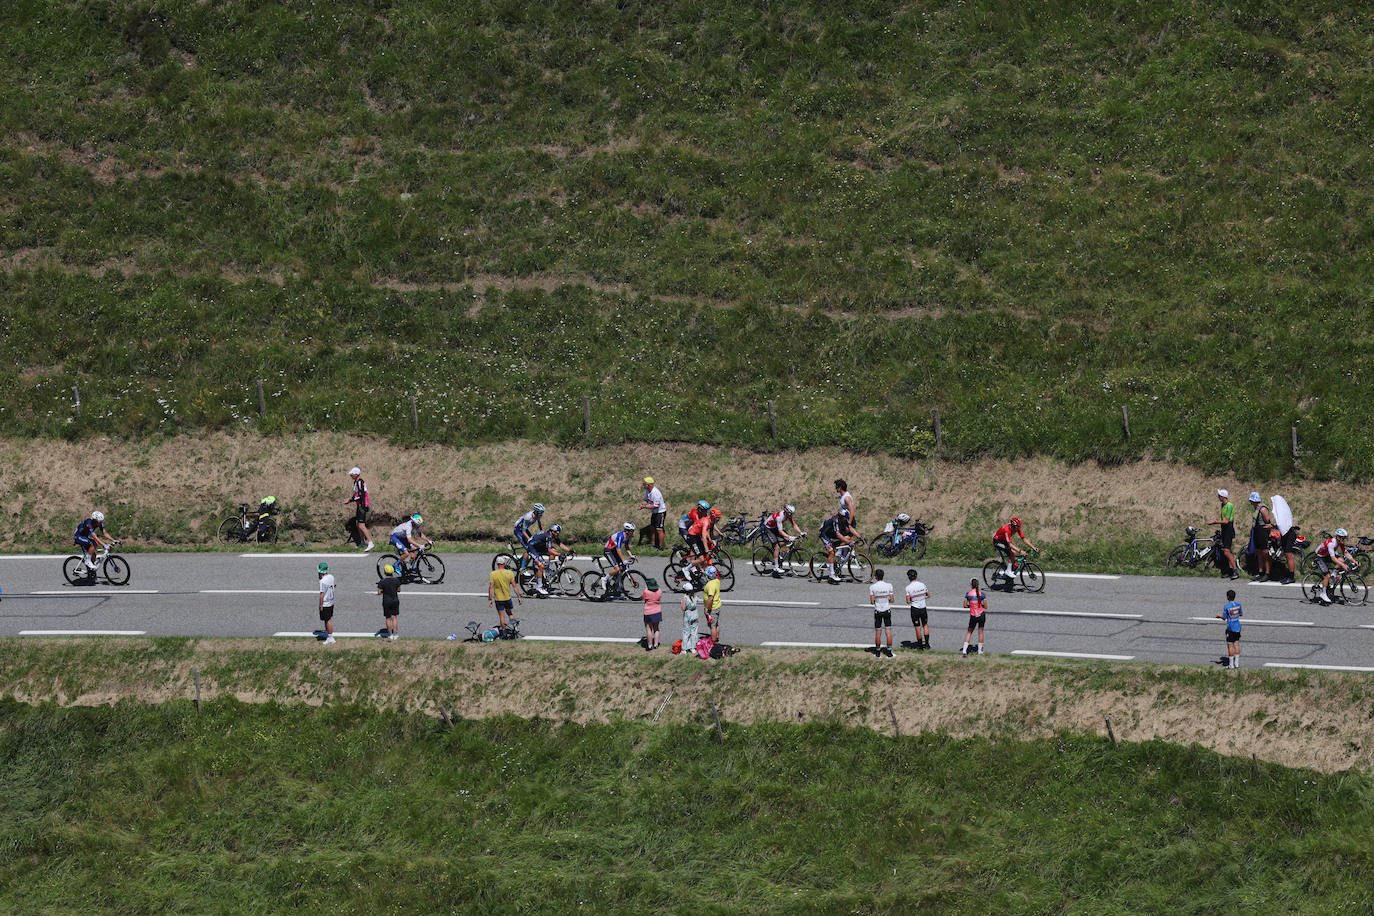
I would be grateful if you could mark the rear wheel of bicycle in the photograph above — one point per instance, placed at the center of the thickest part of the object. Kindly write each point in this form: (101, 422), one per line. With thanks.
(816, 566)
(525, 580)
(1032, 578)
(231, 530)
(384, 560)
(430, 569)
(992, 573)
(74, 570)
(883, 545)
(1311, 586)
(510, 561)
(1176, 557)
(569, 582)
(860, 567)
(727, 579)
(678, 554)
(634, 583)
(593, 585)
(1353, 589)
(116, 570)
(267, 531)
(1307, 562)
(763, 560)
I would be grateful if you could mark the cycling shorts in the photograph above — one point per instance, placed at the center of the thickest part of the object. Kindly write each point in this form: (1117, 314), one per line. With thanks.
(696, 545)
(1324, 564)
(882, 619)
(1003, 548)
(83, 541)
(1227, 537)
(656, 520)
(977, 620)
(770, 537)
(612, 559)
(400, 543)
(920, 617)
(523, 537)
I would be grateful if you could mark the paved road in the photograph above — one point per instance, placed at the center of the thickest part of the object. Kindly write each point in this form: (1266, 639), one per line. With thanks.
(1119, 618)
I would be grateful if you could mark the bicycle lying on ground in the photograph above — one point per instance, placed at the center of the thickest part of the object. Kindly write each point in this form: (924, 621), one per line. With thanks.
(629, 583)
(113, 567)
(902, 539)
(1195, 552)
(739, 531)
(1029, 573)
(248, 526)
(1347, 587)
(425, 567)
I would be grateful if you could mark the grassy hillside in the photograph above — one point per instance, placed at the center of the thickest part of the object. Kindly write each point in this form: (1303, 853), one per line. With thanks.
(1027, 218)
(286, 809)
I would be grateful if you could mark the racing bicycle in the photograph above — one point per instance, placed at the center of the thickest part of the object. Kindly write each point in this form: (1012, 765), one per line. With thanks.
(739, 531)
(426, 567)
(1358, 553)
(848, 561)
(109, 564)
(1347, 587)
(248, 526)
(1195, 552)
(628, 583)
(676, 581)
(1032, 578)
(899, 538)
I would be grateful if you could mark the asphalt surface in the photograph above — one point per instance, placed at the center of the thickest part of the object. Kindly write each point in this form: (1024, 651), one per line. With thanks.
(1116, 618)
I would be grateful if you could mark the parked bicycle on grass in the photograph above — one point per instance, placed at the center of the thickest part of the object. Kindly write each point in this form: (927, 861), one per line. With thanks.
(903, 538)
(1196, 552)
(258, 525)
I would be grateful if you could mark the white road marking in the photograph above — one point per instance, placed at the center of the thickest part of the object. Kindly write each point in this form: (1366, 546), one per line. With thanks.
(1273, 623)
(627, 639)
(35, 556)
(1316, 667)
(772, 603)
(1082, 614)
(1059, 575)
(1110, 658)
(817, 645)
(259, 591)
(372, 635)
(303, 556)
(1277, 584)
(78, 591)
(82, 632)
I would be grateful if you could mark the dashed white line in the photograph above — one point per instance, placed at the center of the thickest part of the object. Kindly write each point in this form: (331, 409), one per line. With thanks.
(816, 645)
(372, 635)
(78, 591)
(626, 639)
(1315, 667)
(82, 632)
(772, 603)
(1059, 575)
(1104, 616)
(1110, 658)
(1272, 623)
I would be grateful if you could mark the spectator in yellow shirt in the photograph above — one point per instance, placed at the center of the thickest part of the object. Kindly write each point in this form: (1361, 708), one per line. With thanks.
(500, 586)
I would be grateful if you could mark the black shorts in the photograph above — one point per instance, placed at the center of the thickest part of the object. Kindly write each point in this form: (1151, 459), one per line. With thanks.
(1003, 548)
(391, 611)
(656, 520)
(977, 621)
(920, 617)
(769, 536)
(882, 619)
(695, 545)
(1233, 635)
(1289, 543)
(1227, 537)
(360, 514)
(327, 613)
(1323, 564)
(504, 605)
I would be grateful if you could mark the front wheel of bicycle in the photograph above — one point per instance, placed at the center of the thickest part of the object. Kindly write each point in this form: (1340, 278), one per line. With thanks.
(430, 569)
(634, 583)
(569, 582)
(918, 547)
(230, 530)
(1353, 589)
(992, 573)
(1032, 578)
(883, 545)
(267, 531)
(674, 579)
(1175, 559)
(116, 570)
(74, 570)
(860, 567)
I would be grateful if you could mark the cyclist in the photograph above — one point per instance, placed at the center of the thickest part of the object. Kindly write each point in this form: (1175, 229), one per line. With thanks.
(361, 500)
(835, 532)
(541, 546)
(266, 508)
(773, 534)
(658, 509)
(406, 537)
(88, 538)
(701, 538)
(1001, 541)
(522, 524)
(684, 524)
(617, 552)
(1331, 553)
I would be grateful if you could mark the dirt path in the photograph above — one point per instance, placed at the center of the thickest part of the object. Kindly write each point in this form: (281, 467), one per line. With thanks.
(173, 491)
(1323, 721)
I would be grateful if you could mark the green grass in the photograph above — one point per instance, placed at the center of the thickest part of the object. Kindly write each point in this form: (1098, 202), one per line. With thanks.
(1026, 218)
(278, 809)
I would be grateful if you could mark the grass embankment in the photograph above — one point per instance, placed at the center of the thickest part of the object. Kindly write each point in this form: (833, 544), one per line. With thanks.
(1026, 218)
(269, 808)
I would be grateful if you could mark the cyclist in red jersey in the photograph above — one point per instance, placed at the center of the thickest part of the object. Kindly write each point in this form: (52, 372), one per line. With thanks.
(773, 534)
(700, 538)
(1331, 554)
(1001, 542)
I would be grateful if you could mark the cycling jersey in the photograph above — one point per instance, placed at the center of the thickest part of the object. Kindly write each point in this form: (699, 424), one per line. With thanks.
(407, 529)
(698, 527)
(540, 543)
(360, 494)
(620, 540)
(977, 603)
(776, 520)
(1329, 549)
(828, 528)
(89, 527)
(1004, 533)
(525, 521)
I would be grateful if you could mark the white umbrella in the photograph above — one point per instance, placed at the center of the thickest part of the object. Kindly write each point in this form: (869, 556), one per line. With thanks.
(1283, 516)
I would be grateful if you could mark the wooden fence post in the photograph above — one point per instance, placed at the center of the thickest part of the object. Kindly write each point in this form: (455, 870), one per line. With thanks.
(414, 413)
(939, 440)
(76, 399)
(262, 401)
(586, 416)
(1125, 421)
(772, 420)
(1294, 431)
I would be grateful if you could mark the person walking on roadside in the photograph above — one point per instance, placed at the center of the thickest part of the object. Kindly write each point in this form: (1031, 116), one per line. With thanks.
(711, 601)
(653, 613)
(977, 603)
(1227, 536)
(500, 590)
(846, 508)
(361, 501)
(689, 622)
(880, 598)
(658, 511)
(326, 602)
(389, 587)
(1232, 613)
(1259, 537)
(916, 595)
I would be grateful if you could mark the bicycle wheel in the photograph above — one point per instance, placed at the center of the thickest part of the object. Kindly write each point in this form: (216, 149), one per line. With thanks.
(860, 567)
(721, 555)
(231, 530)
(918, 547)
(727, 579)
(763, 560)
(1311, 586)
(593, 585)
(678, 554)
(1032, 579)
(1305, 564)
(510, 560)
(992, 573)
(673, 579)
(74, 570)
(430, 569)
(116, 570)
(1353, 589)
(633, 584)
(817, 564)
(267, 531)
(525, 579)
(1177, 557)
(796, 560)
(569, 582)
(883, 545)
(383, 560)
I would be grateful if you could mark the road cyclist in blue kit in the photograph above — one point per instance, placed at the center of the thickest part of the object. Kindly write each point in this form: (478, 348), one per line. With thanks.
(88, 538)
(1231, 613)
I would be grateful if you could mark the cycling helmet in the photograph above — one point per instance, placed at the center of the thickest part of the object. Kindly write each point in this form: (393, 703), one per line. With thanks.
(788, 510)
(903, 518)
(555, 529)
(1341, 533)
(97, 516)
(538, 508)
(389, 569)
(628, 526)
(715, 513)
(269, 500)
(417, 519)
(703, 505)
(1015, 522)
(355, 472)
(711, 572)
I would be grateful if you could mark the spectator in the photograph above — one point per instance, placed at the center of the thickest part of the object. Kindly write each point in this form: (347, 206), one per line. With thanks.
(846, 508)
(653, 613)
(1259, 537)
(1227, 536)
(1232, 613)
(689, 623)
(500, 589)
(977, 604)
(916, 595)
(711, 601)
(362, 504)
(880, 597)
(326, 602)
(658, 511)
(389, 587)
